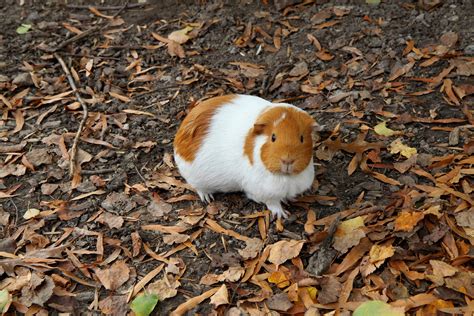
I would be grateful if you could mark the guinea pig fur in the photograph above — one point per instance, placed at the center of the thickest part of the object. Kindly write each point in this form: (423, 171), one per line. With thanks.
(245, 143)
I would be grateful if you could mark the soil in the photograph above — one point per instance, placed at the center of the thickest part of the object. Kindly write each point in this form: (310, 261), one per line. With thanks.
(210, 56)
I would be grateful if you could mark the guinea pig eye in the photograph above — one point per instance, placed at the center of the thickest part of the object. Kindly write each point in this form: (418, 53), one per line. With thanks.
(301, 139)
(274, 138)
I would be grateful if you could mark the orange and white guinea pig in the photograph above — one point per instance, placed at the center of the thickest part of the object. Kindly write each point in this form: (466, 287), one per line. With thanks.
(245, 143)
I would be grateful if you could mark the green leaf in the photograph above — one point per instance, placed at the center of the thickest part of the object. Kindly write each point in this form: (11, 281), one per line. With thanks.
(375, 2)
(4, 300)
(144, 304)
(377, 308)
(382, 129)
(24, 28)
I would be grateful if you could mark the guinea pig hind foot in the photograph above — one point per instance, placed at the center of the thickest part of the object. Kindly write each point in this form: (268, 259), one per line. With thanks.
(205, 196)
(276, 209)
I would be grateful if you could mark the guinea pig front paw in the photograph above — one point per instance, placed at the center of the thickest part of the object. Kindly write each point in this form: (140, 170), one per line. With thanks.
(277, 210)
(205, 196)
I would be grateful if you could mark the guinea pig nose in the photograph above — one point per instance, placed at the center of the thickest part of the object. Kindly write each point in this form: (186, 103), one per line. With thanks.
(287, 161)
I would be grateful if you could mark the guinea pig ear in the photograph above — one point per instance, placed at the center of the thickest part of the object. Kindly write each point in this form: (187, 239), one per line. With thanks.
(259, 128)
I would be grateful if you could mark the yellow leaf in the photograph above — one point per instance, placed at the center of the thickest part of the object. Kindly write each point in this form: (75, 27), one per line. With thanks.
(397, 146)
(381, 252)
(346, 227)
(279, 278)
(383, 130)
(312, 291)
(31, 213)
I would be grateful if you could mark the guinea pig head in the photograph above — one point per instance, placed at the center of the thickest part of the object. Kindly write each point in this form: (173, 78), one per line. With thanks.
(289, 146)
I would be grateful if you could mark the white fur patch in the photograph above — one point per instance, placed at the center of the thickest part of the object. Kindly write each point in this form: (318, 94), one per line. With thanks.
(280, 119)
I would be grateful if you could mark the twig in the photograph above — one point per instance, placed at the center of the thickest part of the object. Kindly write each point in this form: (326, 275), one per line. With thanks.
(72, 162)
(121, 9)
(108, 8)
(16, 211)
(139, 174)
(76, 38)
(89, 31)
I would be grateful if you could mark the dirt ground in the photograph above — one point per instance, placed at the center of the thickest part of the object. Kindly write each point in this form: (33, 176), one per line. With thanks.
(347, 63)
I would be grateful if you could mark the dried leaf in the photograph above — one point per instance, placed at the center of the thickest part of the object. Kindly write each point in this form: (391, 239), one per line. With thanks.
(378, 253)
(382, 129)
(253, 246)
(406, 221)
(397, 146)
(284, 250)
(400, 70)
(31, 213)
(180, 36)
(112, 220)
(221, 297)
(164, 288)
(115, 276)
(348, 234)
(279, 279)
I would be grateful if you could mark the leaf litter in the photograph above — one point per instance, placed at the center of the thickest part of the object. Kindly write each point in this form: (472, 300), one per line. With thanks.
(387, 228)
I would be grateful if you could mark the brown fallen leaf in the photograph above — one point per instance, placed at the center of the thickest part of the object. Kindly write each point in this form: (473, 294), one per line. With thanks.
(284, 250)
(279, 302)
(165, 288)
(114, 305)
(253, 246)
(48, 188)
(12, 169)
(324, 55)
(115, 276)
(175, 239)
(330, 290)
(384, 178)
(449, 39)
(111, 220)
(279, 278)
(399, 70)
(348, 234)
(38, 290)
(378, 253)
(136, 244)
(19, 121)
(193, 302)
(233, 274)
(221, 297)
(406, 221)
(39, 156)
(120, 97)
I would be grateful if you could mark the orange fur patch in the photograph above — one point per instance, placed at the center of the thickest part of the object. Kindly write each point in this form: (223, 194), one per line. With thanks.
(248, 145)
(195, 125)
(288, 125)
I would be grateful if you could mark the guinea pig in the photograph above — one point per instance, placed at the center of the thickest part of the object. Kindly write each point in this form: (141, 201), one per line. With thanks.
(244, 143)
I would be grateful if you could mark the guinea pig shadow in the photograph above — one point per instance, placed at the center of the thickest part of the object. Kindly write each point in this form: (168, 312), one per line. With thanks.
(238, 203)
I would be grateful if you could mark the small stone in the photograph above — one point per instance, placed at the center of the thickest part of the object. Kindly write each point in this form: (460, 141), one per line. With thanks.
(469, 50)
(454, 18)
(86, 186)
(407, 180)
(23, 79)
(33, 16)
(375, 42)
